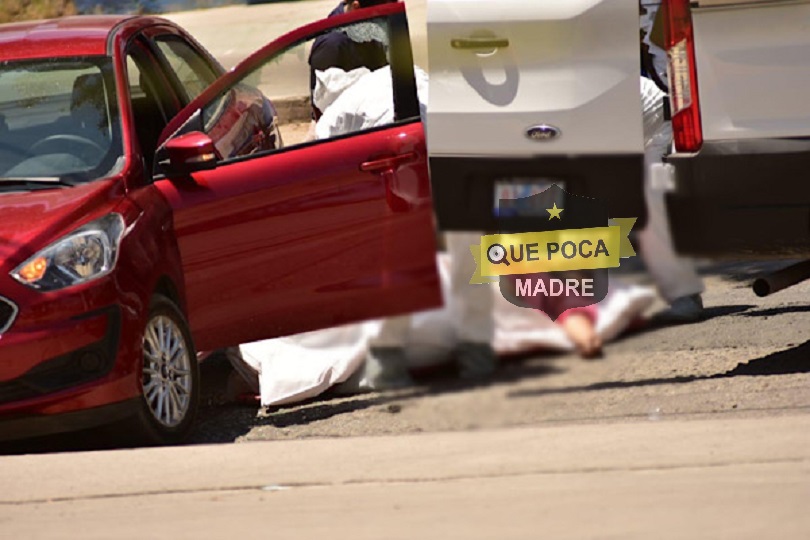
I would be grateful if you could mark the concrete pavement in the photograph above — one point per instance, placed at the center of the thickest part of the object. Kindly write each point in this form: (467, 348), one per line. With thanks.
(231, 33)
(712, 478)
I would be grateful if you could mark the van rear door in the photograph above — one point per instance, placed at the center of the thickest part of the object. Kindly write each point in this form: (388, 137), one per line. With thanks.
(523, 94)
(741, 189)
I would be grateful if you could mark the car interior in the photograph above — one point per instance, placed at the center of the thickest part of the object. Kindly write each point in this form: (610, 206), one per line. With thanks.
(149, 118)
(37, 138)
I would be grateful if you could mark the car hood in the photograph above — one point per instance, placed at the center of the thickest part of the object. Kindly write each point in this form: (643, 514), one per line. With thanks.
(33, 219)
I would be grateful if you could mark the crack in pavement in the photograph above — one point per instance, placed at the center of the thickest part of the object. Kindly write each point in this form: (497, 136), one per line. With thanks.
(457, 478)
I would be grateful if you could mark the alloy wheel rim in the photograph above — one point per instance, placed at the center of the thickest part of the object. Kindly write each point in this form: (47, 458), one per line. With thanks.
(166, 371)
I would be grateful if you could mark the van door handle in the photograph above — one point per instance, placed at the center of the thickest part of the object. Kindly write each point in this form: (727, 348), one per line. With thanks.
(471, 43)
(389, 163)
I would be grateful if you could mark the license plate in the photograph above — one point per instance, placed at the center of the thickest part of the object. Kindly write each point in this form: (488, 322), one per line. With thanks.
(514, 192)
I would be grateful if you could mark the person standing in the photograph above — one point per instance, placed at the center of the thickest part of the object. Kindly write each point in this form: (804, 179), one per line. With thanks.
(346, 48)
(675, 276)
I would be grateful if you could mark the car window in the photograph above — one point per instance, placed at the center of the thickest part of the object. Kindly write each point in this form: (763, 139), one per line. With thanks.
(192, 70)
(332, 85)
(59, 118)
(149, 103)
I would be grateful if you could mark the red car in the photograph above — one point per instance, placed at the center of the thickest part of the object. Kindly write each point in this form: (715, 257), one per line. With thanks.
(148, 210)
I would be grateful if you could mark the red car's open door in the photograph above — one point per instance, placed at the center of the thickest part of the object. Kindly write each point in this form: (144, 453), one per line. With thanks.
(334, 225)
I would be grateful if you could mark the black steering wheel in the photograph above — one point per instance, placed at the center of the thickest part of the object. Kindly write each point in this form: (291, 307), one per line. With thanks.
(64, 142)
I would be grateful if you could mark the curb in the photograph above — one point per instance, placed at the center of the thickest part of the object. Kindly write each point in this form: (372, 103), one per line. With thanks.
(293, 109)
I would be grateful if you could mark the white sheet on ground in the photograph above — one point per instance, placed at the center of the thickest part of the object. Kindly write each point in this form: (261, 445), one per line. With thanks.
(299, 367)
(302, 366)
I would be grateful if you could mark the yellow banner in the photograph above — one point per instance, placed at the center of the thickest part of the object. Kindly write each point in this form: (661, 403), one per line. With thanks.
(552, 251)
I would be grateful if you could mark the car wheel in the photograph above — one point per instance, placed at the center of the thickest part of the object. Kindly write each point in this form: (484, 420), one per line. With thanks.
(169, 376)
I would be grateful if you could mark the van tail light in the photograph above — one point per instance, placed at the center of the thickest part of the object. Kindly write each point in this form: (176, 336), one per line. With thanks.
(682, 75)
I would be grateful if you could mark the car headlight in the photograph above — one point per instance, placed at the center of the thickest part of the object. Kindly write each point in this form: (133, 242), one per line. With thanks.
(87, 253)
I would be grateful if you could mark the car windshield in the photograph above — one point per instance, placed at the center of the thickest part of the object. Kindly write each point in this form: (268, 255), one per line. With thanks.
(59, 120)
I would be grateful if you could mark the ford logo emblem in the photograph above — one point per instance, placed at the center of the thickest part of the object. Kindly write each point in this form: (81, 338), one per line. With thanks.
(543, 132)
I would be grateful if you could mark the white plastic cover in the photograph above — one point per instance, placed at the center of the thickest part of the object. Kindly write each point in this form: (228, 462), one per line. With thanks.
(359, 99)
(299, 367)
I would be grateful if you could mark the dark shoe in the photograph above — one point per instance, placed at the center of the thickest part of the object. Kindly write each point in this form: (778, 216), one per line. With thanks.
(386, 368)
(685, 309)
(475, 360)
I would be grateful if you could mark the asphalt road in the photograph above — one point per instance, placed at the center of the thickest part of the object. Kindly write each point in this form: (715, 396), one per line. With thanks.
(750, 358)
(689, 431)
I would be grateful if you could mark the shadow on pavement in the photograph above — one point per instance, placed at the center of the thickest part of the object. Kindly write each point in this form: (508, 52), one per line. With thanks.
(78, 441)
(227, 422)
(234, 421)
(742, 270)
(661, 319)
(220, 420)
(771, 312)
(787, 362)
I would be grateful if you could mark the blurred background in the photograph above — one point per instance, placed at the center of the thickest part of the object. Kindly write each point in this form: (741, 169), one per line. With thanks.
(205, 19)
(20, 10)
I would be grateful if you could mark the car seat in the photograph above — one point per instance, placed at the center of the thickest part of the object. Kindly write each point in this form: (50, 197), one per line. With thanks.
(149, 120)
(88, 109)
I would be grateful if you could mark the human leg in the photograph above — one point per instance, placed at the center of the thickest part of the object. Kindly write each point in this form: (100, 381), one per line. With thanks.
(675, 276)
(386, 365)
(472, 310)
(581, 330)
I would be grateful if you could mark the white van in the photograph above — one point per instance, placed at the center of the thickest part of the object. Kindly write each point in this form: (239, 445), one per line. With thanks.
(535, 91)
(739, 84)
(526, 93)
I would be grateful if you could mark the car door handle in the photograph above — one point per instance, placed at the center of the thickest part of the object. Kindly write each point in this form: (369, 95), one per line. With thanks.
(389, 163)
(472, 43)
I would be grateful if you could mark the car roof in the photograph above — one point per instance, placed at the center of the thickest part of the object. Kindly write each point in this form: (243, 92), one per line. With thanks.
(83, 35)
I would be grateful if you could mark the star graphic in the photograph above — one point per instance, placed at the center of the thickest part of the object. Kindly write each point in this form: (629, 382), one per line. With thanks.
(555, 212)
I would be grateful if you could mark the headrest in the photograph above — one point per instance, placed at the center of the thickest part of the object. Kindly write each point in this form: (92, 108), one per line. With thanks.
(88, 90)
(87, 104)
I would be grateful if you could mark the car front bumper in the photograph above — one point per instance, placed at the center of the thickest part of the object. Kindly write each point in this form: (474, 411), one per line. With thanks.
(59, 356)
(65, 375)
(66, 352)
(27, 426)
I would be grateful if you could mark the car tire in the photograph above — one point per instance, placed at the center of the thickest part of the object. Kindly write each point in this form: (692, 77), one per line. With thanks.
(169, 376)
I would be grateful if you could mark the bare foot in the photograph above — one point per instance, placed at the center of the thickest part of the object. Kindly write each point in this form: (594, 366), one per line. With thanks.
(583, 333)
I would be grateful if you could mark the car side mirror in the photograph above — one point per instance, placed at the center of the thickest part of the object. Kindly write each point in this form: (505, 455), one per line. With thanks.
(189, 153)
